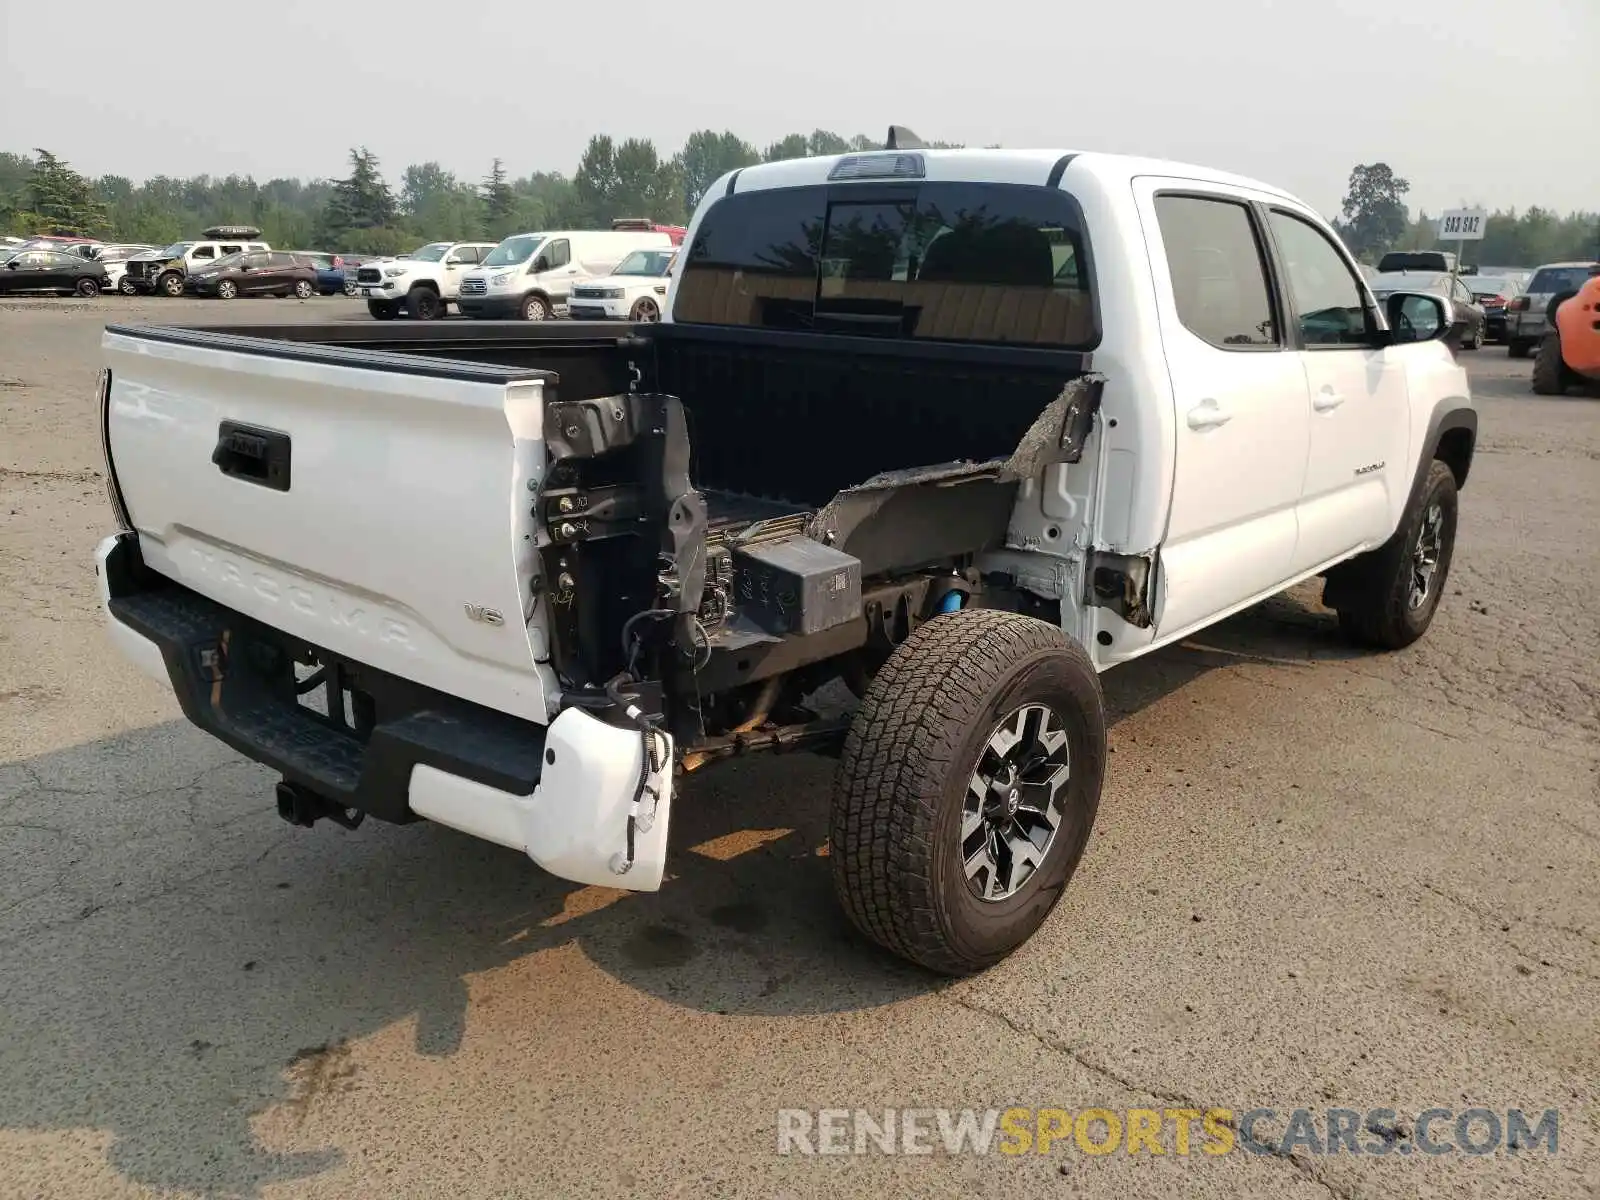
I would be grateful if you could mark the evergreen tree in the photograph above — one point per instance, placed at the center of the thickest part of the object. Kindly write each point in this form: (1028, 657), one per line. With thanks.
(499, 203)
(61, 201)
(361, 211)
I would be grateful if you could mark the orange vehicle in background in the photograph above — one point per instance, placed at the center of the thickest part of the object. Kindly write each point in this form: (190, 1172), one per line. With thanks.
(1570, 353)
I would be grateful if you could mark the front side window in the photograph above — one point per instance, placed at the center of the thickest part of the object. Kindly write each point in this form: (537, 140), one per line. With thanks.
(947, 261)
(558, 253)
(432, 252)
(646, 262)
(1328, 297)
(1219, 279)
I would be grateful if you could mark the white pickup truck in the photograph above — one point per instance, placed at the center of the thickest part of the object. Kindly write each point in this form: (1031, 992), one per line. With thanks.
(962, 428)
(423, 284)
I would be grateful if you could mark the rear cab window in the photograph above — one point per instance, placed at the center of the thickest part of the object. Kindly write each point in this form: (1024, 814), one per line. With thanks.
(979, 262)
(1557, 279)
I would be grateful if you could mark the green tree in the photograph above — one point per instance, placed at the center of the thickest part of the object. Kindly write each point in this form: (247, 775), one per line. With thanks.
(61, 201)
(796, 145)
(499, 203)
(645, 186)
(359, 206)
(1374, 214)
(706, 157)
(595, 184)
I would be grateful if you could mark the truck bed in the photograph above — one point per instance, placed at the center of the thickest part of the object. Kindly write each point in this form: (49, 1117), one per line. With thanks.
(793, 417)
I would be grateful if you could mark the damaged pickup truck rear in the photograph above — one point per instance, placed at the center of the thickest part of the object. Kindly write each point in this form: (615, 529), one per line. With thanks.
(960, 429)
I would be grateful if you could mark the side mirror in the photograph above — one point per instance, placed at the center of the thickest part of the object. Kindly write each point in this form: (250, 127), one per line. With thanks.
(541, 265)
(1421, 317)
(453, 261)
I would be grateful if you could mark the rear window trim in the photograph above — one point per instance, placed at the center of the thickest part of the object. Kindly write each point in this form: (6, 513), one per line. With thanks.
(869, 191)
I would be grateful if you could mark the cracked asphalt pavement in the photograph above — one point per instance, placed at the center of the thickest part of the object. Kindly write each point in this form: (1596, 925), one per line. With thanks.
(1319, 878)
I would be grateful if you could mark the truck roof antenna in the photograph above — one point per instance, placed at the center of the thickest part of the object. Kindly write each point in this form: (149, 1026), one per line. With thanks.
(901, 138)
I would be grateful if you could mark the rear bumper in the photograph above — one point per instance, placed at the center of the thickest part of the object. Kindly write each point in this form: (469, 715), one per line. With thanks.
(562, 793)
(1529, 326)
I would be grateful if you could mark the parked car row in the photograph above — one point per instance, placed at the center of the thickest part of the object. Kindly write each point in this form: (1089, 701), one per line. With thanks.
(228, 261)
(621, 273)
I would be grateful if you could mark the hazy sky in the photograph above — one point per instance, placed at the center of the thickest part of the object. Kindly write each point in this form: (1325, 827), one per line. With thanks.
(1491, 102)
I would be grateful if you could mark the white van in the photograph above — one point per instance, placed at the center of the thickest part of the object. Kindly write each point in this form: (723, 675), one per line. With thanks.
(530, 275)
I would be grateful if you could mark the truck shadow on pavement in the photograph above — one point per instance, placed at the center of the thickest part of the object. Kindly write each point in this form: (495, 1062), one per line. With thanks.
(172, 955)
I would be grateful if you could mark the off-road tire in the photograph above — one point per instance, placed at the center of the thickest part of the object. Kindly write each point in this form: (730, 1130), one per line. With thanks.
(423, 304)
(383, 310)
(917, 738)
(1374, 606)
(170, 284)
(1518, 347)
(1549, 372)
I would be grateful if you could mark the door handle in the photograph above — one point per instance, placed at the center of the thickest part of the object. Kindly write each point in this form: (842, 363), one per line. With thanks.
(1208, 415)
(1326, 400)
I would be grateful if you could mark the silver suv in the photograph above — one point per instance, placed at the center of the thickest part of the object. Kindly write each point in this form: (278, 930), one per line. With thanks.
(1529, 313)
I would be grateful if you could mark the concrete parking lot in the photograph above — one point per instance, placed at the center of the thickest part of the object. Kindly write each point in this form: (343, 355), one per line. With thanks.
(1319, 879)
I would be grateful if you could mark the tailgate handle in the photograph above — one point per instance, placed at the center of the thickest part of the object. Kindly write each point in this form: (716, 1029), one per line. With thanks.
(254, 454)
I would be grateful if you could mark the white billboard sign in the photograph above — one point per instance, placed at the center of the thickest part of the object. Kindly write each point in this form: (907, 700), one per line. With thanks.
(1462, 224)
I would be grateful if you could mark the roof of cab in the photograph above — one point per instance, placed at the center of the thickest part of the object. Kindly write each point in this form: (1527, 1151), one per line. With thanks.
(1002, 166)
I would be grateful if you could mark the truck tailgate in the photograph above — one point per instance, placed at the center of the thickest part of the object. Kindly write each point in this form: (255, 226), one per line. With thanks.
(376, 505)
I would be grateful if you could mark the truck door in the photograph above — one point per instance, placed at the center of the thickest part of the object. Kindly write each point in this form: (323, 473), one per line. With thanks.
(1242, 423)
(1359, 409)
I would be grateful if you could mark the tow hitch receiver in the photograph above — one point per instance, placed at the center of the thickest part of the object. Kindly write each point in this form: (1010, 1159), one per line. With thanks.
(303, 807)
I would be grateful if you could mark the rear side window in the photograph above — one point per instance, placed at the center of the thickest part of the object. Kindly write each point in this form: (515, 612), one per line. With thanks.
(947, 261)
(1219, 277)
(204, 252)
(280, 259)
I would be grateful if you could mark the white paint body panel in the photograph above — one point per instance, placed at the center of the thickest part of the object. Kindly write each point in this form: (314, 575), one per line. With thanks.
(408, 503)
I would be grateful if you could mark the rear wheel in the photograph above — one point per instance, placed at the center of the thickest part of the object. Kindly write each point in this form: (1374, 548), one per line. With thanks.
(645, 309)
(126, 287)
(87, 288)
(534, 308)
(967, 788)
(171, 283)
(349, 287)
(1391, 596)
(303, 289)
(383, 310)
(1549, 372)
(422, 304)
(1475, 342)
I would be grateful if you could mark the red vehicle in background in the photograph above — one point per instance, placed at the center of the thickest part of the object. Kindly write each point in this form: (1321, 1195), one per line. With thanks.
(645, 225)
